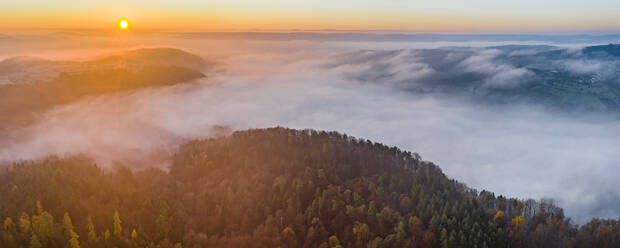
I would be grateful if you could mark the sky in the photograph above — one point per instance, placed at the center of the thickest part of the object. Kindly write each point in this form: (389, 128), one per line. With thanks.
(246, 15)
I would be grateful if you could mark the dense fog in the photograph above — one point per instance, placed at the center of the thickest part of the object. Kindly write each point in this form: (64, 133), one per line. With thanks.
(462, 106)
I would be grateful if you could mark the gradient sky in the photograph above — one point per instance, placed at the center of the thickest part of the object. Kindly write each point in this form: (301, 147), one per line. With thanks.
(238, 15)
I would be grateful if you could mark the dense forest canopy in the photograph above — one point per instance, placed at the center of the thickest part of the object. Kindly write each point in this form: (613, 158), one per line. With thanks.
(275, 187)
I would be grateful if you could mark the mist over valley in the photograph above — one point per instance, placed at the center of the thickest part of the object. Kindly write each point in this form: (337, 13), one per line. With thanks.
(528, 121)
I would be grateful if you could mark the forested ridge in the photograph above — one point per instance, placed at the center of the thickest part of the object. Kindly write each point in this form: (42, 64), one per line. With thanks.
(40, 85)
(274, 187)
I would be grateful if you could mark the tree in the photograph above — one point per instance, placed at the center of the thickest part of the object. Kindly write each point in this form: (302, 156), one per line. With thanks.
(9, 232)
(520, 207)
(34, 242)
(74, 242)
(67, 224)
(333, 241)
(118, 229)
(405, 204)
(499, 216)
(8, 239)
(288, 235)
(92, 234)
(518, 221)
(24, 223)
(444, 239)
(8, 224)
(364, 233)
(43, 225)
(39, 208)
(106, 235)
(416, 230)
(429, 239)
(399, 233)
(452, 239)
(372, 211)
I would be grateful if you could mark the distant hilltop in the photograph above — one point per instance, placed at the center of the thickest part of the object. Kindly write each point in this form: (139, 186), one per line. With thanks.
(613, 49)
(31, 85)
(573, 81)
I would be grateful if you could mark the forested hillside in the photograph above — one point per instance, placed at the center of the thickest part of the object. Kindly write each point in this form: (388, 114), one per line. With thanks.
(274, 188)
(35, 86)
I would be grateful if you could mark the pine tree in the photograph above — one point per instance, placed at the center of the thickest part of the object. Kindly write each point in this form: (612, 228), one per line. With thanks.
(443, 239)
(118, 229)
(364, 233)
(106, 235)
(372, 211)
(92, 235)
(8, 239)
(74, 242)
(24, 223)
(67, 224)
(39, 208)
(8, 224)
(43, 225)
(452, 239)
(34, 242)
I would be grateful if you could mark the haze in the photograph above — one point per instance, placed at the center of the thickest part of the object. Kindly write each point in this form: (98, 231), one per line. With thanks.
(244, 15)
(520, 98)
(521, 149)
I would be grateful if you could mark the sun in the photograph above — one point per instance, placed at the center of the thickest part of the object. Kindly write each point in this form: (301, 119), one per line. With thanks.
(123, 24)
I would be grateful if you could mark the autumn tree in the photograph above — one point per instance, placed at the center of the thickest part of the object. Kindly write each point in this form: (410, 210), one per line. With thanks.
(118, 229)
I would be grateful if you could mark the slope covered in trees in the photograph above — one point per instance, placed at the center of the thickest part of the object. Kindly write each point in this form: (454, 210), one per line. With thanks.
(35, 85)
(274, 188)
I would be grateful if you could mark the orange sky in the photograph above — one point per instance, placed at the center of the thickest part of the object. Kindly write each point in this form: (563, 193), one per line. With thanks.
(238, 15)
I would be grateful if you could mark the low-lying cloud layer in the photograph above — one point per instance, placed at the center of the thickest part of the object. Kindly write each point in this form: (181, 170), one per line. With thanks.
(569, 80)
(514, 149)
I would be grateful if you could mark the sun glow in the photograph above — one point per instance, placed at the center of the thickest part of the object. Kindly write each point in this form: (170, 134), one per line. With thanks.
(123, 24)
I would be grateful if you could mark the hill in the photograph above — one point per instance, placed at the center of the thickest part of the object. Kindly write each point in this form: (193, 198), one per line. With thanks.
(29, 86)
(275, 187)
(612, 49)
(560, 79)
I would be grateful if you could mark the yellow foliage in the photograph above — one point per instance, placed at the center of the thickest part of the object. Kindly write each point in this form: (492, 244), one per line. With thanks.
(134, 234)
(288, 231)
(8, 224)
(34, 242)
(74, 241)
(39, 207)
(498, 216)
(118, 229)
(518, 221)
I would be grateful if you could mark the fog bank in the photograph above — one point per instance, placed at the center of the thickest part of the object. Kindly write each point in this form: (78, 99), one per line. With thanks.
(517, 150)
